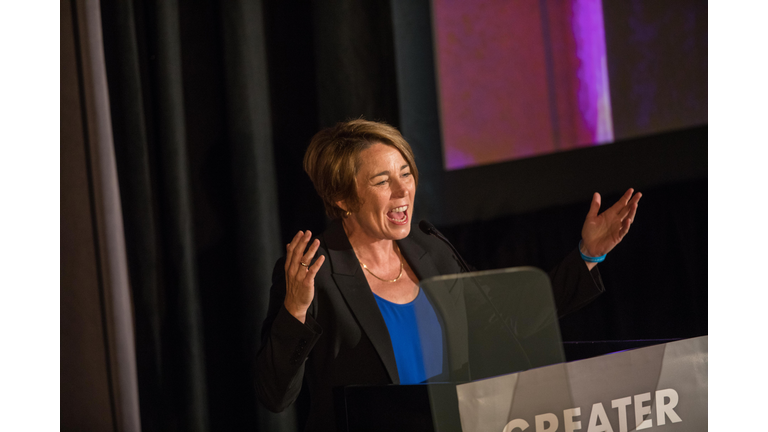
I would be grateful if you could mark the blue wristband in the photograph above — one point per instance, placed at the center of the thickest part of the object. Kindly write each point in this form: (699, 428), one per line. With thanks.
(587, 258)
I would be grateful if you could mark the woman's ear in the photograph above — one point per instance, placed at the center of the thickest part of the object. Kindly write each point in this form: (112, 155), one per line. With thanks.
(342, 205)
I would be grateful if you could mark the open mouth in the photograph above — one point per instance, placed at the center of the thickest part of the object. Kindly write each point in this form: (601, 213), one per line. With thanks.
(398, 215)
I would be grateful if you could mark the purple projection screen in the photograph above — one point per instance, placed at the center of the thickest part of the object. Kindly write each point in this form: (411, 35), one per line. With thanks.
(520, 78)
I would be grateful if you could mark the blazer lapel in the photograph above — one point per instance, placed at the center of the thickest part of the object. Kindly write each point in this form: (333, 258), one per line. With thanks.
(417, 257)
(348, 275)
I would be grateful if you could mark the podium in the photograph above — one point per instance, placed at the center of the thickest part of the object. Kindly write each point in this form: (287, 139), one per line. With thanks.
(507, 371)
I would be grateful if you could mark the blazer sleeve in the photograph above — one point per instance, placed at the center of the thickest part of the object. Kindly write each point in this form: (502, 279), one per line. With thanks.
(573, 284)
(285, 345)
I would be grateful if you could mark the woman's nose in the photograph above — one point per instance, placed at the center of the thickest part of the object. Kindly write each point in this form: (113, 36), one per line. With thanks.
(399, 189)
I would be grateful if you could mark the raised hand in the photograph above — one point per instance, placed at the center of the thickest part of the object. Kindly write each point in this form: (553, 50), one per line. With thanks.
(300, 275)
(601, 233)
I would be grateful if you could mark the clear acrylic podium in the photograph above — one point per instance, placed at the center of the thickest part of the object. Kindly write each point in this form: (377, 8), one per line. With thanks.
(494, 323)
(505, 371)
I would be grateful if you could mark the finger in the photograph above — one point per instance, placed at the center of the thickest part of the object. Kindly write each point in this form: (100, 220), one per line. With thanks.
(314, 268)
(629, 210)
(632, 211)
(298, 253)
(622, 214)
(290, 248)
(307, 258)
(595, 206)
(295, 240)
(621, 204)
(298, 245)
(627, 195)
(625, 227)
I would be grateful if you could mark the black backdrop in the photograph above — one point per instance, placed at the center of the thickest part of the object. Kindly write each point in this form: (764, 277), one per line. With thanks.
(213, 104)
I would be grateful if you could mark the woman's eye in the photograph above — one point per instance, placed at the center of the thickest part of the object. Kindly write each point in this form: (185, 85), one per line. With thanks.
(381, 183)
(406, 174)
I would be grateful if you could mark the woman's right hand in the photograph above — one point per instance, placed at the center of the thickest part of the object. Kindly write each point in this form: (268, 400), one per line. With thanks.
(300, 279)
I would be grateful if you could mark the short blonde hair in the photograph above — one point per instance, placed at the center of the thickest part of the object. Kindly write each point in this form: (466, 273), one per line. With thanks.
(332, 160)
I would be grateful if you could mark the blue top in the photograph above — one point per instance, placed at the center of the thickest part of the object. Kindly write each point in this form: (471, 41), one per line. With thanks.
(417, 338)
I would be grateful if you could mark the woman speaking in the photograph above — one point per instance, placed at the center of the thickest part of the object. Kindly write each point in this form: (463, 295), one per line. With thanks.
(345, 306)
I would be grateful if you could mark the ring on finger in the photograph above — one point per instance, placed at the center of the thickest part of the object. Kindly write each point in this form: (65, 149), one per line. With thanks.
(304, 264)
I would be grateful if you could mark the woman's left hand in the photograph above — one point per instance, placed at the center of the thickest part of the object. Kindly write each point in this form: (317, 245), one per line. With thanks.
(603, 232)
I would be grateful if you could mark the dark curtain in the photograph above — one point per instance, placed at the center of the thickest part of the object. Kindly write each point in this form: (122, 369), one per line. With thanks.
(190, 108)
(213, 104)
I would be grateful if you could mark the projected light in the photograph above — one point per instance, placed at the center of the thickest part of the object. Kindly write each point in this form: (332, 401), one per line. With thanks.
(520, 78)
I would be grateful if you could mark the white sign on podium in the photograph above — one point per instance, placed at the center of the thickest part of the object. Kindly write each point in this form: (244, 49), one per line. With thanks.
(661, 387)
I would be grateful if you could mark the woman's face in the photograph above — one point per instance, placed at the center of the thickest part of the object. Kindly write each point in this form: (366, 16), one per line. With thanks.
(386, 190)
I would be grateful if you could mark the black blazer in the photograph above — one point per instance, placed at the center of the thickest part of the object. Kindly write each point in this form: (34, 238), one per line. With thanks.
(345, 340)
